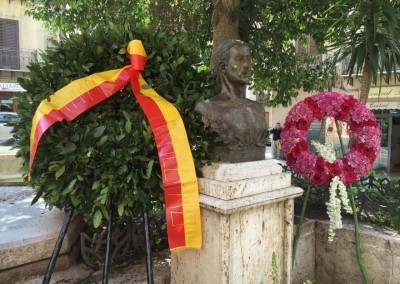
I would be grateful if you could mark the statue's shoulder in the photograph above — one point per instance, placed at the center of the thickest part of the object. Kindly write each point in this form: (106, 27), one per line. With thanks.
(213, 102)
(208, 108)
(202, 106)
(220, 98)
(256, 105)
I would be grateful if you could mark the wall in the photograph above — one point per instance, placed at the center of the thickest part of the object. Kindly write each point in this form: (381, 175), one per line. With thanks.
(9, 164)
(336, 262)
(250, 95)
(278, 114)
(304, 264)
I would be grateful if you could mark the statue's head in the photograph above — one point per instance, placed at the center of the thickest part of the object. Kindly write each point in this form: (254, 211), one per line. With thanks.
(233, 61)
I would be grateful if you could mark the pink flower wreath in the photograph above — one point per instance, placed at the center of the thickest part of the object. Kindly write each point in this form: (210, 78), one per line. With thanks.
(364, 132)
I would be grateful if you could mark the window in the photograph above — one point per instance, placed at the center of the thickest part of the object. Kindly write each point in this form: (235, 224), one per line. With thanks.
(9, 44)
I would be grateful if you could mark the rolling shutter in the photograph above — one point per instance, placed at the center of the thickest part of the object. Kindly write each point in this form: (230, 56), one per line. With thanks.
(9, 44)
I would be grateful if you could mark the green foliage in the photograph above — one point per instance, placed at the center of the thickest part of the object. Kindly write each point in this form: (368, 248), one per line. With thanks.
(273, 27)
(378, 199)
(274, 269)
(108, 154)
(367, 33)
(65, 16)
(367, 29)
(69, 16)
(361, 29)
(270, 27)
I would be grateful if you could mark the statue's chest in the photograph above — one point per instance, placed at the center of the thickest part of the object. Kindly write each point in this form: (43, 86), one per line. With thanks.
(243, 117)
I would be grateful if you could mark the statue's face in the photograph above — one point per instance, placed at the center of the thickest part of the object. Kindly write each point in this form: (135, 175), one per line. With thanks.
(239, 68)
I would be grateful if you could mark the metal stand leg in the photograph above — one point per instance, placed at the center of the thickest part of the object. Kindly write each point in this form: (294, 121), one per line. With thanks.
(108, 248)
(57, 246)
(149, 262)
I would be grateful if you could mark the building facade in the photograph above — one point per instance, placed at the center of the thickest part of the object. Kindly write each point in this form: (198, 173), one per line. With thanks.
(21, 40)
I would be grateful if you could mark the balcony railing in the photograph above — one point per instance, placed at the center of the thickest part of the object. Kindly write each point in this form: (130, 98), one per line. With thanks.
(16, 59)
(345, 65)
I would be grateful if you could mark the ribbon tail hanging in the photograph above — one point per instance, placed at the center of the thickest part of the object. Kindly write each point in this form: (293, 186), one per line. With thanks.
(177, 167)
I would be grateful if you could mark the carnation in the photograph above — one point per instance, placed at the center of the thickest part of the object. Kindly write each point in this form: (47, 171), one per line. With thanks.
(326, 169)
(301, 111)
(364, 132)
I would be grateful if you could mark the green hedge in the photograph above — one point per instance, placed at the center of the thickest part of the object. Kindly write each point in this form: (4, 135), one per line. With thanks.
(108, 153)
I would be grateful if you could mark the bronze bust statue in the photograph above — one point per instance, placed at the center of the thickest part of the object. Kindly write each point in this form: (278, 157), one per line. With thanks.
(240, 122)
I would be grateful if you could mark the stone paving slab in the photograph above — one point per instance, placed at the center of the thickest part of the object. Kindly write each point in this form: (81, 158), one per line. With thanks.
(21, 222)
(9, 164)
(7, 150)
(28, 232)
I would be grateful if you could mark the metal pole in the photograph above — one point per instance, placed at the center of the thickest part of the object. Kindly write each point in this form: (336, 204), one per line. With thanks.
(108, 248)
(57, 247)
(149, 262)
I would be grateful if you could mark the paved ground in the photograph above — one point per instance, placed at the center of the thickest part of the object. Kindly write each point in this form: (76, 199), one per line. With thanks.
(131, 271)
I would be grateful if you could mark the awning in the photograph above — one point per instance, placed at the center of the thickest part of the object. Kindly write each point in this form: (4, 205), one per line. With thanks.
(11, 87)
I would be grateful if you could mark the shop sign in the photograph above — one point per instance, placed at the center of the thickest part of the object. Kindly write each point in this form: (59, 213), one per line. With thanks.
(11, 87)
(385, 93)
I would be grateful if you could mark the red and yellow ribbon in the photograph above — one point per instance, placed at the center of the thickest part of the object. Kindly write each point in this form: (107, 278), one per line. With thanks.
(177, 168)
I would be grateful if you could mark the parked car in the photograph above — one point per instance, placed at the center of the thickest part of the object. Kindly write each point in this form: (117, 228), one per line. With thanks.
(5, 129)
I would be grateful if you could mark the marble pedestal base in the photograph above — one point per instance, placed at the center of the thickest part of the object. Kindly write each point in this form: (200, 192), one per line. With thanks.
(247, 220)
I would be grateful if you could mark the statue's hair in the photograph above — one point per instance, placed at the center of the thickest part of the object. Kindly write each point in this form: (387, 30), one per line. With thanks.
(222, 53)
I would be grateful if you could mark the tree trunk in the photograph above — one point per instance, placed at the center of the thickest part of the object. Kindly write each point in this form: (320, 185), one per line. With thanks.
(225, 22)
(365, 80)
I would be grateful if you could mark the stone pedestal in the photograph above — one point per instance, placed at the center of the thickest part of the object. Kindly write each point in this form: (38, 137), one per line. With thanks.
(247, 219)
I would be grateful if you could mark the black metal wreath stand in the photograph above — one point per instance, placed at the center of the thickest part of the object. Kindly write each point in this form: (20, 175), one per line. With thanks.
(108, 245)
(57, 247)
(149, 262)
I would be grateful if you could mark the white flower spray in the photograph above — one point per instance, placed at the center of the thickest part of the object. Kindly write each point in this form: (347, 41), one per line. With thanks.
(343, 195)
(337, 191)
(325, 151)
(334, 205)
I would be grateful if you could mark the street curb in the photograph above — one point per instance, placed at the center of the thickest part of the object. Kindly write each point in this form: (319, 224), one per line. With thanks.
(12, 183)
